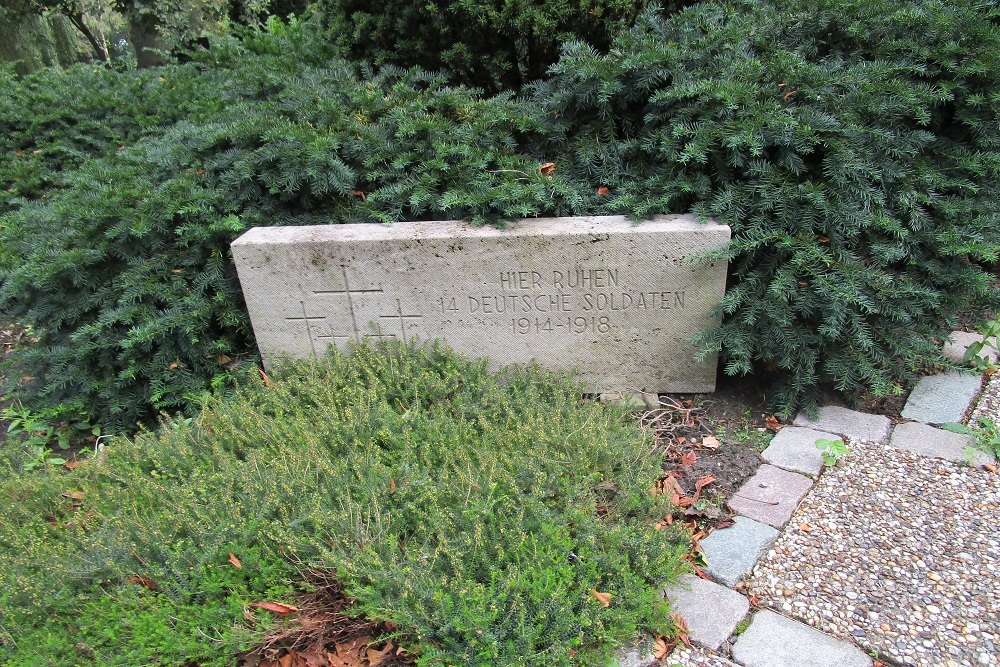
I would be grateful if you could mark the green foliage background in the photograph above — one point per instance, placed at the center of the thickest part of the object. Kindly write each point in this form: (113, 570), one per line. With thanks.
(475, 511)
(853, 147)
(495, 45)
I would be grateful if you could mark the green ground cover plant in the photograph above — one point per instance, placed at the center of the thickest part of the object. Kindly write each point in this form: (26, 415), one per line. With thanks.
(476, 511)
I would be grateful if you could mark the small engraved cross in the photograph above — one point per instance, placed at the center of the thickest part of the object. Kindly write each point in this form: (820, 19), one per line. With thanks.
(402, 319)
(308, 319)
(348, 292)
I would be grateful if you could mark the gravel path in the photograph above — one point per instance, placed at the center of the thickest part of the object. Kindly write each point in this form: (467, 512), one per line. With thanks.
(694, 657)
(989, 401)
(899, 553)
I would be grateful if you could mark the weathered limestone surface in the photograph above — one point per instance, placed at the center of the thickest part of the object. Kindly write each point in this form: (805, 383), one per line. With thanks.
(775, 641)
(712, 611)
(771, 495)
(619, 302)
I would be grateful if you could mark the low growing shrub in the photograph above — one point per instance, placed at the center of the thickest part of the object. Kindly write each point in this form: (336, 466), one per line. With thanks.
(477, 512)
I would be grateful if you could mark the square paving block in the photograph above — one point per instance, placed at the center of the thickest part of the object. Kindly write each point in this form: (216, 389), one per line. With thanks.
(794, 448)
(940, 399)
(712, 611)
(771, 495)
(848, 423)
(929, 441)
(730, 553)
(775, 641)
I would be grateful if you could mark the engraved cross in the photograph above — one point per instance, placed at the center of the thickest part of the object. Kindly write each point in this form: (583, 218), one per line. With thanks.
(402, 319)
(349, 293)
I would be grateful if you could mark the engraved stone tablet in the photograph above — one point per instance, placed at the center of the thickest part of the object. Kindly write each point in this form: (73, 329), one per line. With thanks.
(617, 301)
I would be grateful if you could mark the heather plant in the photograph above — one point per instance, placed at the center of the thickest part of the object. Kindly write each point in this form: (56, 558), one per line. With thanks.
(477, 512)
(853, 147)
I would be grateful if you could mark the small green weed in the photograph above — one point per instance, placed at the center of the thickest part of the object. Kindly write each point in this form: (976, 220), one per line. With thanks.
(749, 434)
(990, 342)
(833, 450)
(40, 433)
(986, 434)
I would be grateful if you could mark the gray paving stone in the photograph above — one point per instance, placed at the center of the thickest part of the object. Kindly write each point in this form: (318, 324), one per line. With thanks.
(731, 553)
(775, 641)
(954, 349)
(712, 611)
(939, 399)
(794, 448)
(848, 423)
(929, 441)
(771, 495)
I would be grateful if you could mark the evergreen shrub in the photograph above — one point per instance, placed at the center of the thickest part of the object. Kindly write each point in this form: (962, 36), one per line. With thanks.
(853, 147)
(475, 511)
(494, 45)
(124, 271)
(55, 120)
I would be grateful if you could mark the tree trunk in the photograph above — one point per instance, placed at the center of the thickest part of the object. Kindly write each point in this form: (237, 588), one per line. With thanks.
(146, 41)
(77, 21)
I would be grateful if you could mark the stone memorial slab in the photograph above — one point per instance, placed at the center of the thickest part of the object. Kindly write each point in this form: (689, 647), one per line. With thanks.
(617, 301)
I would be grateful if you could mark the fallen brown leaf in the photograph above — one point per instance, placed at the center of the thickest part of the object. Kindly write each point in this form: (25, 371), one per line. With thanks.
(805, 528)
(603, 598)
(992, 467)
(772, 423)
(74, 495)
(279, 608)
(682, 628)
(377, 657)
(235, 561)
(264, 378)
(142, 581)
(710, 442)
(689, 459)
(547, 169)
(602, 191)
(71, 465)
(661, 649)
(702, 482)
